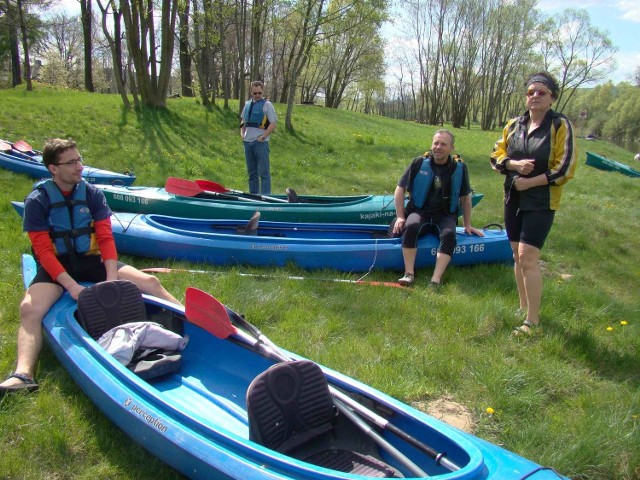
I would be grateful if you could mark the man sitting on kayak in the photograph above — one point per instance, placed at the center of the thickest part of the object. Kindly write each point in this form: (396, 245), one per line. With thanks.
(437, 184)
(69, 224)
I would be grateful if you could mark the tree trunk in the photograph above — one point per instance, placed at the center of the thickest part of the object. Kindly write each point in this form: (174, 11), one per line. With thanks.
(257, 32)
(25, 44)
(241, 26)
(14, 43)
(312, 18)
(87, 23)
(185, 54)
(115, 45)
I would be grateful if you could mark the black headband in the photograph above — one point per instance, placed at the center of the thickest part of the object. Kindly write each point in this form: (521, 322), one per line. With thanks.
(541, 79)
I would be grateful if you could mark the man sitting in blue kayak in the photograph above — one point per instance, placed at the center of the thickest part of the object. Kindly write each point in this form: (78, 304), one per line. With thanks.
(438, 184)
(69, 225)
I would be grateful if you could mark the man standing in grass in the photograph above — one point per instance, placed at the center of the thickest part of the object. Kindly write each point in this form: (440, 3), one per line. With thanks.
(69, 225)
(438, 184)
(258, 121)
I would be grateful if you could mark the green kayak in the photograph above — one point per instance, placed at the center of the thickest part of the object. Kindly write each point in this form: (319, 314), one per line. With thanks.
(603, 163)
(205, 199)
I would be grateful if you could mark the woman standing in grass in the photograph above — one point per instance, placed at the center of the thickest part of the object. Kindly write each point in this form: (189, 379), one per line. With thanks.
(537, 155)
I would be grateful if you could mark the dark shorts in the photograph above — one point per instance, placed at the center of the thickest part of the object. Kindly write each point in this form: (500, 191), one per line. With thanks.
(419, 224)
(528, 226)
(87, 269)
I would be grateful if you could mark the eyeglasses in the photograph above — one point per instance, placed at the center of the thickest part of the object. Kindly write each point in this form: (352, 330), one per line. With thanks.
(538, 91)
(73, 162)
(256, 93)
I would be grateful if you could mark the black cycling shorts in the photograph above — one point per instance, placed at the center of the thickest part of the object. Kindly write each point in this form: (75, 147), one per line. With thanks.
(528, 226)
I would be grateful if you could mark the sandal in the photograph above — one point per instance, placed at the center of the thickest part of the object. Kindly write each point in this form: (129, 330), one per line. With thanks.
(527, 328)
(28, 385)
(408, 279)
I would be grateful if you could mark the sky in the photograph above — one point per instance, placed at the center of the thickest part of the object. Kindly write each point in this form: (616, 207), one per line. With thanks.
(620, 19)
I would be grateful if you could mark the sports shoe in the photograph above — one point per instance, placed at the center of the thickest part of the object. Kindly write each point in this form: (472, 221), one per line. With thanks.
(407, 280)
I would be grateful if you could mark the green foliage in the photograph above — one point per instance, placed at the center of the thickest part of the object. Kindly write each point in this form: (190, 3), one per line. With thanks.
(567, 398)
(624, 114)
(612, 110)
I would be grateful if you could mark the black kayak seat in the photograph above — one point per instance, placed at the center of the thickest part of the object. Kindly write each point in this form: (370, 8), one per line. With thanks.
(292, 196)
(107, 305)
(290, 410)
(251, 228)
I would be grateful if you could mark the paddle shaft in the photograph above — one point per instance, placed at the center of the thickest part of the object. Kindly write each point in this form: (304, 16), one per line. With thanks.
(361, 409)
(231, 197)
(216, 187)
(255, 195)
(288, 277)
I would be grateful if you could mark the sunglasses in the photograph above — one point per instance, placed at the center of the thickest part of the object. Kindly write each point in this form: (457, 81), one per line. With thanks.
(538, 91)
(256, 93)
(73, 162)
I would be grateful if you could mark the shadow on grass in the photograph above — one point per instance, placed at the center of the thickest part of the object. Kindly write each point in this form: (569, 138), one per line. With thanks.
(168, 132)
(618, 366)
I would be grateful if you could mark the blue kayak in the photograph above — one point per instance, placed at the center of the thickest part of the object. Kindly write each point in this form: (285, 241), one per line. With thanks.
(343, 247)
(30, 163)
(203, 417)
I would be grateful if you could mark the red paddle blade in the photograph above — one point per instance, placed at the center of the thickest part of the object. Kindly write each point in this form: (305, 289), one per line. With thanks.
(182, 187)
(208, 313)
(22, 146)
(211, 186)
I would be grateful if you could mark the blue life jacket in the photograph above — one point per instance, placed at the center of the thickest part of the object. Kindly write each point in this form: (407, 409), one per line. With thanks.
(71, 224)
(422, 184)
(253, 114)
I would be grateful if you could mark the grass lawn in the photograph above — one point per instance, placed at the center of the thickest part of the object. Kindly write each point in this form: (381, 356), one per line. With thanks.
(568, 397)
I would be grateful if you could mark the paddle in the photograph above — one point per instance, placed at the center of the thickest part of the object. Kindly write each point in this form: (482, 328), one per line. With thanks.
(287, 277)
(217, 312)
(216, 187)
(187, 188)
(7, 147)
(23, 146)
(204, 310)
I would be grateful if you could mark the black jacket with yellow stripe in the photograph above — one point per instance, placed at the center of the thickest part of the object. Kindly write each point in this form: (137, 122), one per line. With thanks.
(551, 145)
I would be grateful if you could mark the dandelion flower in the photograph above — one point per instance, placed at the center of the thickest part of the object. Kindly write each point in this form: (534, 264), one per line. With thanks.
(490, 411)
(609, 329)
(623, 323)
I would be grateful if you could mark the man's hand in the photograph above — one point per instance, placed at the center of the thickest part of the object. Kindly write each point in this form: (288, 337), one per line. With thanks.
(473, 231)
(75, 291)
(398, 225)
